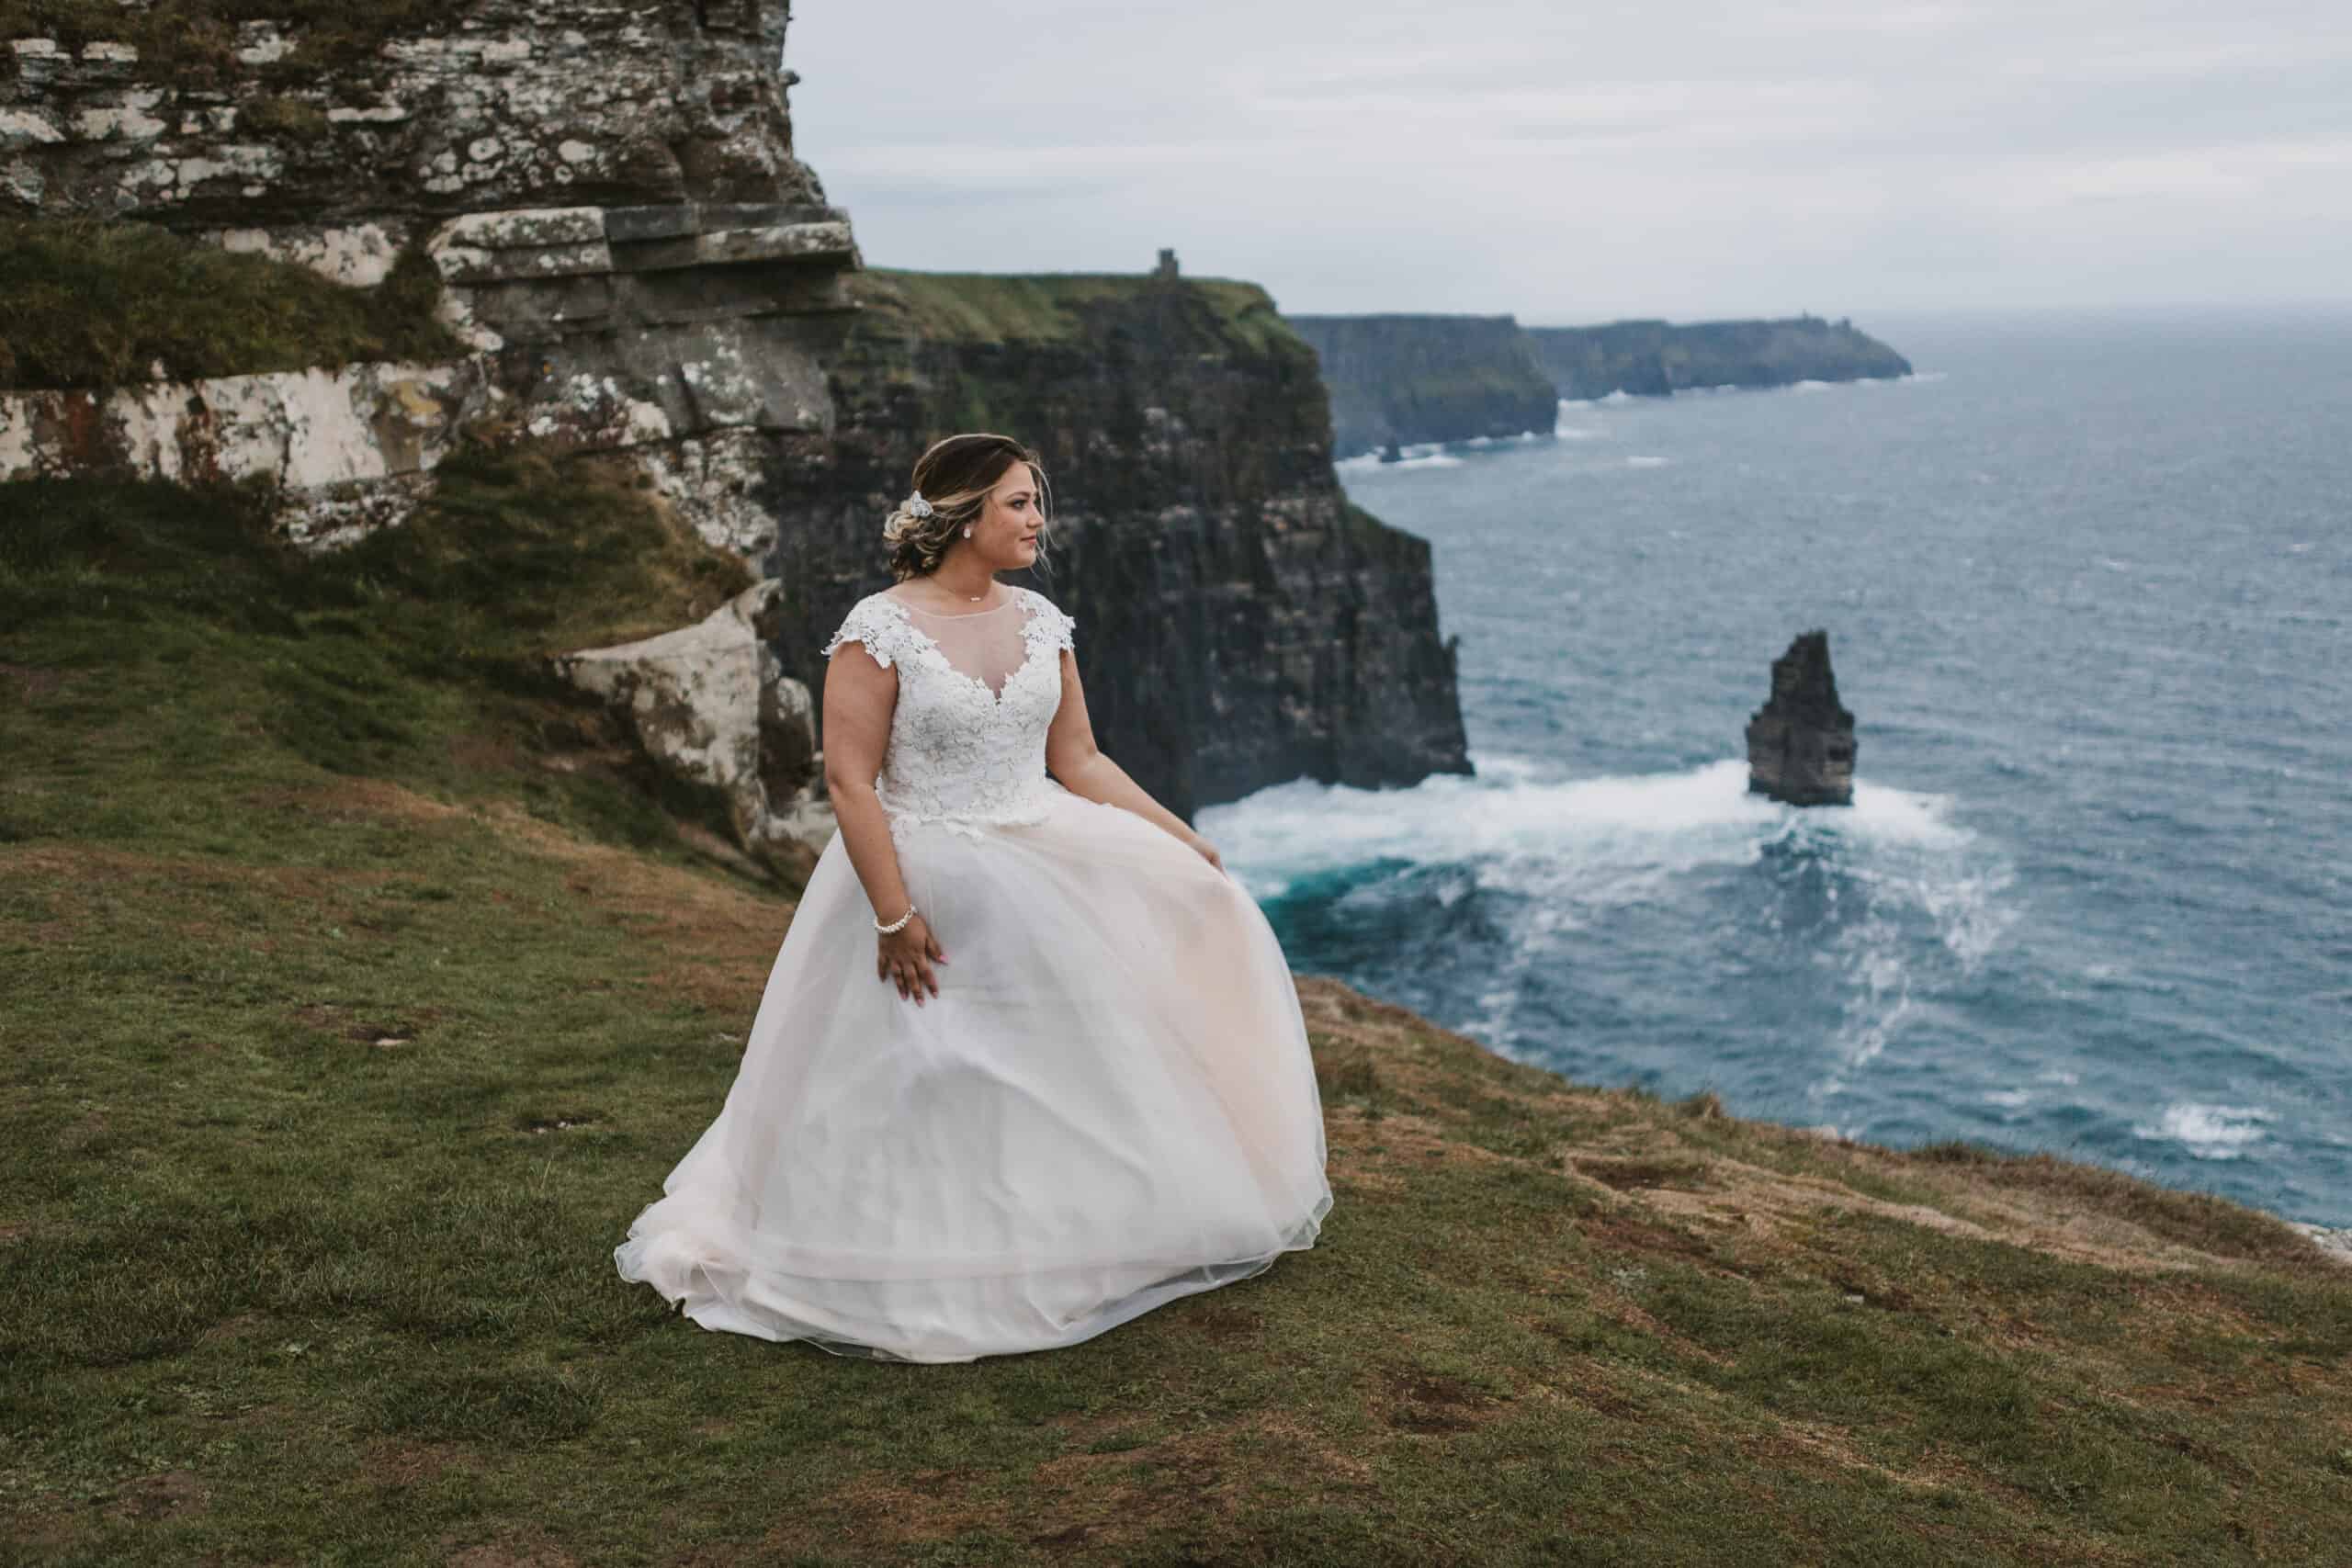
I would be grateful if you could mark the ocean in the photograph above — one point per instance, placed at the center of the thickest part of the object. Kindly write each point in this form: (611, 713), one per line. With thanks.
(2087, 582)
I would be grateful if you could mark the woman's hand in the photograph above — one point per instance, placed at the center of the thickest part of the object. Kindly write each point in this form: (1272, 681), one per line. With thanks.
(1206, 851)
(905, 956)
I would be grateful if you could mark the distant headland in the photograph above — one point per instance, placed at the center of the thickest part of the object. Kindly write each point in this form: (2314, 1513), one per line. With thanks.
(1397, 378)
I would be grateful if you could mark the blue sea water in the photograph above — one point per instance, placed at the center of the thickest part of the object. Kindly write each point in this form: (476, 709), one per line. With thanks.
(2087, 582)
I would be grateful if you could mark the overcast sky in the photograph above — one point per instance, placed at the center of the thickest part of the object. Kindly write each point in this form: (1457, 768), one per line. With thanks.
(1572, 161)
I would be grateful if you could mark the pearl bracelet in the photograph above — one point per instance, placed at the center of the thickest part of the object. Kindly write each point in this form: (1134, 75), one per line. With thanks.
(898, 924)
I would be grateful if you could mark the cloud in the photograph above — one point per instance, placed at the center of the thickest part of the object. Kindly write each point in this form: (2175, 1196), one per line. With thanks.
(1606, 159)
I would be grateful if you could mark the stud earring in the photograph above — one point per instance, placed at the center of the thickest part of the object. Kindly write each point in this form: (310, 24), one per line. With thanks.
(968, 530)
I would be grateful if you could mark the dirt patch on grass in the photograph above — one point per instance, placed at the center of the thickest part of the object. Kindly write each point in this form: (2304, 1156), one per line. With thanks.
(228, 1330)
(31, 681)
(1412, 1400)
(1223, 1324)
(510, 1554)
(381, 1031)
(1102, 1496)
(877, 1509)
(391, 1463)
(166, 1495)
(1626, 1175)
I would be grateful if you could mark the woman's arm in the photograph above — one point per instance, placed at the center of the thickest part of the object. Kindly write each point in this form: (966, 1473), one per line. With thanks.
(860, 694)
(1072, 757)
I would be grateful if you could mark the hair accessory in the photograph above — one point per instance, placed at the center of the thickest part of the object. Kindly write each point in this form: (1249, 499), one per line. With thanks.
(916, 506)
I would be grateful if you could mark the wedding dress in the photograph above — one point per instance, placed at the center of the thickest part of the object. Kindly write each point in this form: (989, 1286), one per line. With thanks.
(1109, 1104)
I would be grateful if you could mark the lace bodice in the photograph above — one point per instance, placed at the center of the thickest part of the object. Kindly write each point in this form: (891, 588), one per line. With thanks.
(963, 753)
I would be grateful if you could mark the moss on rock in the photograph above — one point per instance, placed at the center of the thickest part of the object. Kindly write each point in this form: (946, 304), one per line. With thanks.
(94, 302)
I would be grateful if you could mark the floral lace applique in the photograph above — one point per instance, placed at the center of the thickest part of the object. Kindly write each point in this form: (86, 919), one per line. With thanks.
(959, 754)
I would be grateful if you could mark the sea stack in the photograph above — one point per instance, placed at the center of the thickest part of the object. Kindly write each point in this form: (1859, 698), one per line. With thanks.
(1801, 742)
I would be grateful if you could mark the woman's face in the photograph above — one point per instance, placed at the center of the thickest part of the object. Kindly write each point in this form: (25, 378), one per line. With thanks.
(1006, 535)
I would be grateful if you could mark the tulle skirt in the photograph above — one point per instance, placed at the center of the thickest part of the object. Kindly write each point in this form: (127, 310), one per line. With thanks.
(1109, 1104)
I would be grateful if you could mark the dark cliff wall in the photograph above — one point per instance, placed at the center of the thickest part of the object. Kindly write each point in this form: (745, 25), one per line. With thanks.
(1655, 358)
(1240, 623)
(1405, 378)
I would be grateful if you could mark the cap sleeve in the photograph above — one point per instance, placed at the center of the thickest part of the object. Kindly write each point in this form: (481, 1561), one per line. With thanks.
(1049, 623)
(872, 625)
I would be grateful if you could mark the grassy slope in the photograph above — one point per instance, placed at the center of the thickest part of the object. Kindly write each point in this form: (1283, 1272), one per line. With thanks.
(345, 1029)
(1047, 306)
(95, 303)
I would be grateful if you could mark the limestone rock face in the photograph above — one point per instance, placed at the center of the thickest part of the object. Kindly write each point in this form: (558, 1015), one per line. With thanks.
(1801, 742)
(711, 705)
(484, 106)
(350, 444)
(609, 195)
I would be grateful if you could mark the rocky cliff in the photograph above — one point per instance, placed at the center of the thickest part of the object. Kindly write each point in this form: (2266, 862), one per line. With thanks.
(1398, 379)
(582, 227)
(1659, 357)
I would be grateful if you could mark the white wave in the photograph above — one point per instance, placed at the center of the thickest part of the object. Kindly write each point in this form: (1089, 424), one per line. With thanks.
(1809, 386)
(1887, 815)
(1619, 396)
(2208, 1132)
(1568, 853)
(1647, 462)
(1577, 433)
(2010, 1098)
(1514, 809)
(1518, 808)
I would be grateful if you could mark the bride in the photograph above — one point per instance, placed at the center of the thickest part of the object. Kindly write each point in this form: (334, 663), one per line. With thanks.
(1030, 1062)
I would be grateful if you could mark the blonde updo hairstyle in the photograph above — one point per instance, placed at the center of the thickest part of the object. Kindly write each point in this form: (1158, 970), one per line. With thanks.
(954, 477)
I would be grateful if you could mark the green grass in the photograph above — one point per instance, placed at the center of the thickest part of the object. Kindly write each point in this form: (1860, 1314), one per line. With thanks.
(94, 302)
(969, 308)
(352, 1009)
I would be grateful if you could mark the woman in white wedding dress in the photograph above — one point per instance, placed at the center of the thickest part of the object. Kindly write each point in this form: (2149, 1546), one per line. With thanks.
(1030, 1062)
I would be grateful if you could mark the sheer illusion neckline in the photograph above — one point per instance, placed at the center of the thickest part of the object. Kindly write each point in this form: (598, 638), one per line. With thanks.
(992, 695)
(1011, 599)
